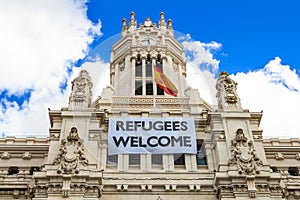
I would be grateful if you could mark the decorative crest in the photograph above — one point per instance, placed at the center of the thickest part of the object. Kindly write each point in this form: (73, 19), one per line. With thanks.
(71, 154)
(243, 154)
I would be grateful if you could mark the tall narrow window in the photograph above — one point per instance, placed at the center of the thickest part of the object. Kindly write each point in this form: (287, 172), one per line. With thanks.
(138, 88)
(149, 88)
(138, 76)
(138, 67)
(148, 67)
(200, 156)
(159, 65)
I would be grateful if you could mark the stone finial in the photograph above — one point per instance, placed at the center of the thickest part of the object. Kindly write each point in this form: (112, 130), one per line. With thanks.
(124, 27)
(226, 93)
(132, 14)
(170, 26)
(162, 22)
(81, 94)
(132, 23)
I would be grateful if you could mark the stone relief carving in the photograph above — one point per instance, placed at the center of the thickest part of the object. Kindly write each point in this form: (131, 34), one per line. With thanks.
(226, 89)
(243, 154)
(122, 66)
(82, 89)
(230, 87)
(71, 154)
(5, 155)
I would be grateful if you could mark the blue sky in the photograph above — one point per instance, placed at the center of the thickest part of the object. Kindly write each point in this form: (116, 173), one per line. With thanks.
(251, 32)
(44, 43)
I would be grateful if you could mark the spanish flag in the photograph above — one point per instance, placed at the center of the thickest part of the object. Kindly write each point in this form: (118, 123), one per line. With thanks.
(164, 82)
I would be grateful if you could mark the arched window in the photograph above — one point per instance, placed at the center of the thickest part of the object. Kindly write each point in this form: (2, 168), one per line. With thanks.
(138, 76)
(159, 65)
(138, 67)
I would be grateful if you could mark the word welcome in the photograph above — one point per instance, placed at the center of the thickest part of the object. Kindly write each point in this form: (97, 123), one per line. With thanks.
(153, 141)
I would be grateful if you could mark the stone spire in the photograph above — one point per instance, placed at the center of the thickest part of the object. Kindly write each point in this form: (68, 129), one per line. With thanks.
(132, 23)
(228, 99)
(124, 27)
(81, 94)
(162, 22)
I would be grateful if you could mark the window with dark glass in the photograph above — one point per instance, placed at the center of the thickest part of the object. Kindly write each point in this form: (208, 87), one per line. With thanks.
(159, 63)
(134, 159)
(138, 88)
(274, 169)
(138, 67)
(148, 67)
(159, 66)
(156, 159)
(149, 88)
(200, 156)
(293, 171)
(179, 159)
(13, 170)
(112, 160)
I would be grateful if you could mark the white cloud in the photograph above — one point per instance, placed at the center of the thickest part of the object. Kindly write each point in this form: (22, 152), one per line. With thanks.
(275, 90)
(201, 54)
(38, 41)
(201, 66)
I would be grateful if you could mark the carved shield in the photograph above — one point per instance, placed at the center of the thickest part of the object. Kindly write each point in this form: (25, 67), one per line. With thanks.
(245, 156)
(71, 153)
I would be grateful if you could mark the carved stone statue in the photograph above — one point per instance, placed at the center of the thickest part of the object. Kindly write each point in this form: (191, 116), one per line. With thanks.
(71, 154)
(226, 91)
(243, 154)
(81, 90)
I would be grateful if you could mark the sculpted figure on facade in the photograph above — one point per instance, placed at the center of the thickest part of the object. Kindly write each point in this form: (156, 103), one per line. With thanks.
(226, 90)
(81, 90)
(243, 154)
(71, 154)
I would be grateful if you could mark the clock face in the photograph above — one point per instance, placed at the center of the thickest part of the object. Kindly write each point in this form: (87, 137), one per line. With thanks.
(148, 40)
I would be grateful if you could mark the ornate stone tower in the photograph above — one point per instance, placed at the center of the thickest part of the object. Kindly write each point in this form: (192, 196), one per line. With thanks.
(134, 55)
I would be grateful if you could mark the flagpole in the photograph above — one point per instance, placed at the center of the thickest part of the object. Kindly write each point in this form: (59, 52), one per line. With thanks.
(153, 84)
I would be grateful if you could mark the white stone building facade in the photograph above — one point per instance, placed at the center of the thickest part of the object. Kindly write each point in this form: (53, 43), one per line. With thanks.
(231, 158)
